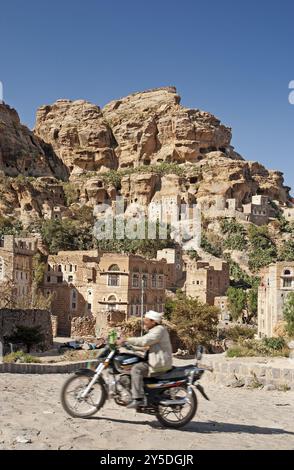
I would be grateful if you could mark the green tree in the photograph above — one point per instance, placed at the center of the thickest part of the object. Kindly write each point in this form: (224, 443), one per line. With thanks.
(66, 235)
(29, 336)
(286, 252)
(236, 302)
(289, 313)
(252, 303)
(9, 226)
(262, 250)
(196, 323)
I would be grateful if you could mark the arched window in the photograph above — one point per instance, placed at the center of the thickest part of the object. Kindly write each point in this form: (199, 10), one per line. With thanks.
(111, 305)
(1, 268)
(287, 272)
(113, 267)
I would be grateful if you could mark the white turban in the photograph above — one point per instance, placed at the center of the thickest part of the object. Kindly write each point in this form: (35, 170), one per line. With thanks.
(156, 316)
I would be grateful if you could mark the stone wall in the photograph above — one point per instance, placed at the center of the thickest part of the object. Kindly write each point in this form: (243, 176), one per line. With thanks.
(11, 318)
(271, 373)
(83, 326)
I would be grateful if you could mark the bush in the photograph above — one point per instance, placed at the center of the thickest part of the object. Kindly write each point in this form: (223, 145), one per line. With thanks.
(264, 347)
(21, 357)
(275, 343)
(262, 251)
(195, 323)
(236, 332)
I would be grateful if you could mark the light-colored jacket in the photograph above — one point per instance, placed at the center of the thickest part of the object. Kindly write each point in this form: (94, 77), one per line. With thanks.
(160, 349)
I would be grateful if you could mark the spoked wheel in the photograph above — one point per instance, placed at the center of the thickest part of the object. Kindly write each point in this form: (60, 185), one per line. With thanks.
(176, 416)
(77, 406)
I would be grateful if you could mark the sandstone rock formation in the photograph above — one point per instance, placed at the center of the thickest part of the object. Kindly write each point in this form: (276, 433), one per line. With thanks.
(158, 150)
(22, 152)
(79, 134)
(152, 127)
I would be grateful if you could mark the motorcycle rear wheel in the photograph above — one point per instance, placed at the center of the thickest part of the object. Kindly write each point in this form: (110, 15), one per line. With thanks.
(89, 405)
(164, 412)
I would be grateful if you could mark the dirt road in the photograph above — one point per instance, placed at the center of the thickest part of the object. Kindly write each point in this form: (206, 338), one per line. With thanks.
(32, 418)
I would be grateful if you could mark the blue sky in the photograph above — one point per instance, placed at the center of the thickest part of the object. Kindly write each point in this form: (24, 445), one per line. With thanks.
(232, 58)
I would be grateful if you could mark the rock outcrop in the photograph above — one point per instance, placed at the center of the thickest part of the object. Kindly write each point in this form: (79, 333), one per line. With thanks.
(152, 127)
(22, 152)
(79, 134)
(158, 149)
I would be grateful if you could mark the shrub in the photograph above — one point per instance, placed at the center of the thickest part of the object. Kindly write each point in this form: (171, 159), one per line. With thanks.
(20, 356)
(195, 323)
(236, 332)
(264, 347)
(274, 343)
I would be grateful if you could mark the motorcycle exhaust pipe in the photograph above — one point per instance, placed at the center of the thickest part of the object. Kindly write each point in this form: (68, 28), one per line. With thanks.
(181, 401)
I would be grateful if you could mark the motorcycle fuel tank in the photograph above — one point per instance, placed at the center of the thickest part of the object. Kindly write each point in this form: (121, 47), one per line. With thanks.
(124, 362)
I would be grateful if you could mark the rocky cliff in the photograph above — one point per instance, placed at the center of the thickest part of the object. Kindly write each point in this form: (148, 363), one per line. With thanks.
(142, 147)
(22, 152)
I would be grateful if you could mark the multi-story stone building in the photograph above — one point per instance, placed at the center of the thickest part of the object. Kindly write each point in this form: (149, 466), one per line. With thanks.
(207, 280)
(87, 283)
(174, 266)
(277, 282)
(16, 265)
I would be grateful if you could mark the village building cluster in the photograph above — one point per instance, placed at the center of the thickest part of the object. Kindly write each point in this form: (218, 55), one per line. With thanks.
(92, 284)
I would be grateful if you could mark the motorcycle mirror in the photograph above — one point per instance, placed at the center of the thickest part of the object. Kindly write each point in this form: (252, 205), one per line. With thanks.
(199, 352)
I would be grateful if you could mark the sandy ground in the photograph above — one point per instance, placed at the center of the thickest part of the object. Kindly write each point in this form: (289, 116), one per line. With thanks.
(32, 418)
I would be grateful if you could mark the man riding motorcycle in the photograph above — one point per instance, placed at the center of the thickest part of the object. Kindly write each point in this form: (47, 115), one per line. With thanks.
(159, 355)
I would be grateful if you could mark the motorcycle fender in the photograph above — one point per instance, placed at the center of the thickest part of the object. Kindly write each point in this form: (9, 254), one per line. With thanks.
(91, 373)
(201, 390)
(87, 372)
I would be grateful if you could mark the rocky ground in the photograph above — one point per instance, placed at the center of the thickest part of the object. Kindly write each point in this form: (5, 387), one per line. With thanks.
(32, 418)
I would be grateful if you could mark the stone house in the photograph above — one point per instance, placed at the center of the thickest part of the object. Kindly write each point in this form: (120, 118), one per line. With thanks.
(222, 303)
(174, 266)
(16, 264)
(207, 280)
(277, 281)
(288, 213)
(84, 283)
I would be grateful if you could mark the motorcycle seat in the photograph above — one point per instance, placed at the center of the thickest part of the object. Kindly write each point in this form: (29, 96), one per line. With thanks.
(175, 373)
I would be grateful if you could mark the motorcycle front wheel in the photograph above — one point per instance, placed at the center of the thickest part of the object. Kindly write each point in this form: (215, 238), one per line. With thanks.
(74, 404)
(176, 416)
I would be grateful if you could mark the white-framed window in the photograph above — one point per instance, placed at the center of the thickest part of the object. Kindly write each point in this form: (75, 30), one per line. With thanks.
(113, 280)
(135, 280)
(70, 278)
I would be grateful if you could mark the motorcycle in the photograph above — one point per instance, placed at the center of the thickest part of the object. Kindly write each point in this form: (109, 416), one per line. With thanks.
(169, 396)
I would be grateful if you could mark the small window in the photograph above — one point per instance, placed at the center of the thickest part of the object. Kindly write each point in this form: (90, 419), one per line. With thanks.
(113, 280)
(144, 280)
(59, 279)
(287, 283)
(48, 278)
(59, 268)
(287, 272)
(135, 280)
(70, 268)
(89, 306)
(70, 278)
